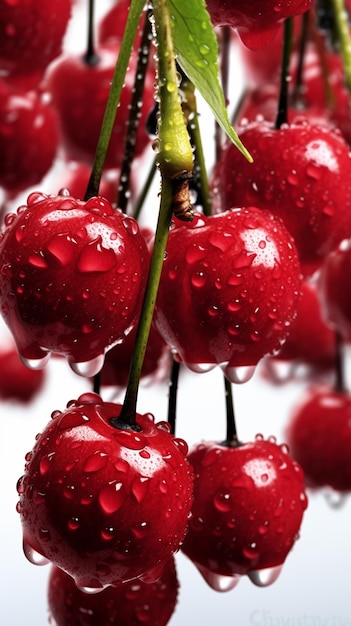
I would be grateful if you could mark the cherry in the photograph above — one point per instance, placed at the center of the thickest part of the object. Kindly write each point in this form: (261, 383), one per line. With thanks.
(256, 22)
(228, 289)
(28, 138)
(300, 173)
(132, 604)
(334, 291)
(18, 382)
(105, 501)
(249, 501)
(31, 36)
(72, 278)
(310, 340)
(79, 92)
(112, 24)
(319, 437)
(115, 370)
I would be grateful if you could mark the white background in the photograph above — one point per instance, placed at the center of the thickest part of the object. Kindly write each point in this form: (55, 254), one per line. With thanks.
(314, 586)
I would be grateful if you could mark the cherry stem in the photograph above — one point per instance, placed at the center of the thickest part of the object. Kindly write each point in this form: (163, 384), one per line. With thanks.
(341, 18)
(134, 14)
(340, 384)
(161, 236)
(135, 113)
(145, 190)
(232, 438)
(282, 115)
(173, 394)
(90, 57)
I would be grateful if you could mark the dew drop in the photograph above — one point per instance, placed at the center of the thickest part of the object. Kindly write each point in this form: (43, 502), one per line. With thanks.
(222, 502)
(33, 556)
(88, 368)
(111, 497)
(198, 280)
(89, 590)
(95, 462)
(265, 577)
(217, 582)
(35, 364)
(62, 248)
(335, 499)
(239, 375)
(95, 258)
(140, 487)
(200, 368)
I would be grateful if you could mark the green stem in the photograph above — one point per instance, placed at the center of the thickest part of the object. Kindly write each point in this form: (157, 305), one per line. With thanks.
(282, 115)
(130, 401)
(145, 190)
(343, 33)
(135, 11)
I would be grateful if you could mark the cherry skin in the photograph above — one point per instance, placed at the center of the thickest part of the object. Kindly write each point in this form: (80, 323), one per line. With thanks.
(301, 172)
(17, 382)
(249, 501)
(334, 290)
(256, 22)
(228, 289)
(79, 92)
(132, 604)
(319, 437)
(31, 36)
(72, 279)
(29, 138)
(103, 500)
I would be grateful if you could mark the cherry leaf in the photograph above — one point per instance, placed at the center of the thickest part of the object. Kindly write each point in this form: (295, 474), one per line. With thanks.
(195, 44)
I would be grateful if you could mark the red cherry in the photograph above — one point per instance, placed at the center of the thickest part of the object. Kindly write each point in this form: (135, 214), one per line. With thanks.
(101, 500)
(31, 36)
(112, 24)
(228, 289)
(28, 138)
(18, 382)
(334, 289)
(300, 173)
(79, 92)
(257, 21)
(132, 604)
(310, 341)
(72, 278)
(319, 437)
(248, 506)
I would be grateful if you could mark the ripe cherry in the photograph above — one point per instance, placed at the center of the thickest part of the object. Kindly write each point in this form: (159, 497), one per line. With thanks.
(31, 36)
(301, 173)
(256, 22)
(132, 604)
(319, 437)
(105, 501)
(17, 382)
(79, 92)
(28, 138)
(228, 290)
(249, 501)
(334, 290)
(72, 278)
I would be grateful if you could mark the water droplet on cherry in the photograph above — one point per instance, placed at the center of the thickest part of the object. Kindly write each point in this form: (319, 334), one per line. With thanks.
(218, 582)
(33, 556)
(239, 375)
(265, 577)
(88, 368)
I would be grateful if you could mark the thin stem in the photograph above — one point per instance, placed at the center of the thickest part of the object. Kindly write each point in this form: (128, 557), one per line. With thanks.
(282, 115)
(173, 394)
(296, 96)
(145, 190)
(135, 113)
(161, 237)
(135, 11)
(96, 383)
(90, 57)
(340, 384)
(231, 426)
(344, 38)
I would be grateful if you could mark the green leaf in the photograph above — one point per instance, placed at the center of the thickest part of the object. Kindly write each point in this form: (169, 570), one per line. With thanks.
(195, 44)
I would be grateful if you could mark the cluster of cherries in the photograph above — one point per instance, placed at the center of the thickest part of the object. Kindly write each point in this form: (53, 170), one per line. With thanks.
(109, 501)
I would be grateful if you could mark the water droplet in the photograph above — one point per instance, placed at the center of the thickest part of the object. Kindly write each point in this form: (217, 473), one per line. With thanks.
(239, 375)
(88, 368)
(35, 364)
(95, 258)
(44, 465)
(111, 497)
(198, 279)
(222, 502)
(141, 530)
(217, 582)
(265, 577)
(95, 462)
(140, 487)
(200, 368)
(89, 590)
(62, 248)
(335, 499)
(33, 556)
